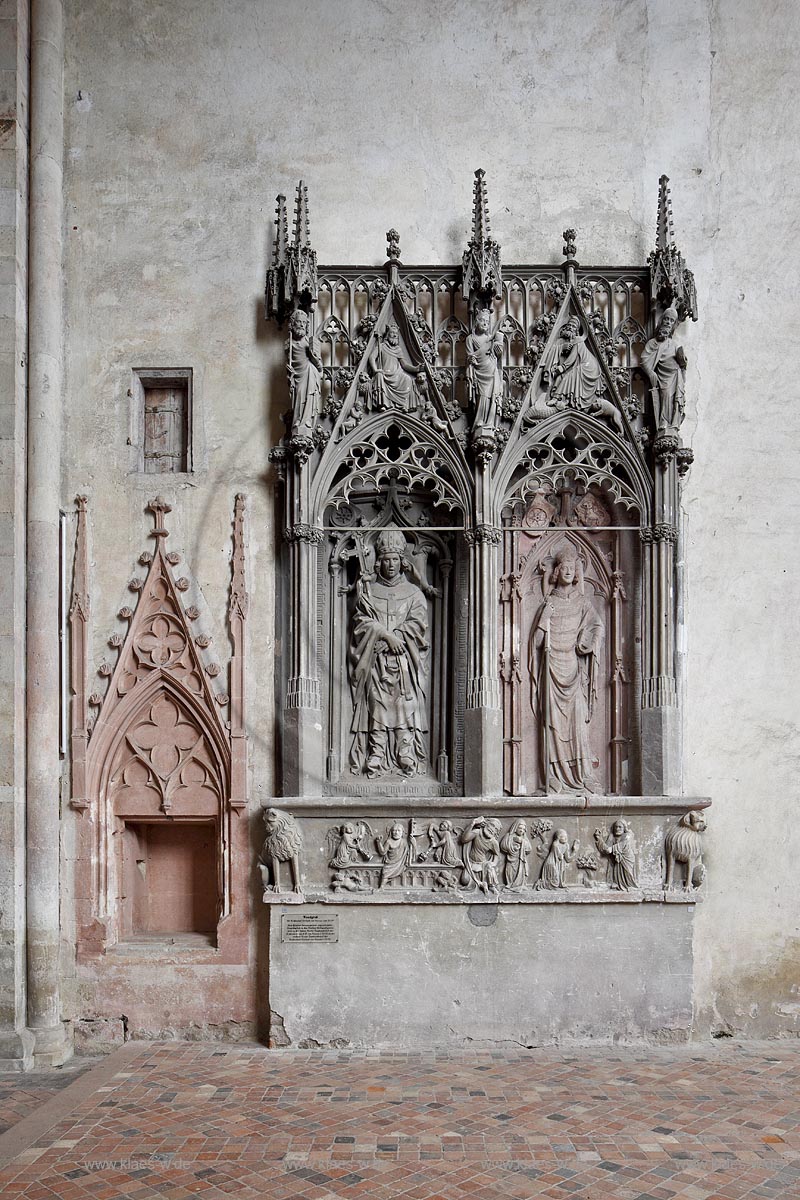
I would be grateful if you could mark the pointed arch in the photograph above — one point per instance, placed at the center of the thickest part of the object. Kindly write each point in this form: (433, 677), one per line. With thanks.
(421, 457)
(576, 445)
(110, 734)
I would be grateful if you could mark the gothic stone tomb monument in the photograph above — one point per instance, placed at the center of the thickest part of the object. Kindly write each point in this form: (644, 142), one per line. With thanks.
(481, 735)
(480, 832)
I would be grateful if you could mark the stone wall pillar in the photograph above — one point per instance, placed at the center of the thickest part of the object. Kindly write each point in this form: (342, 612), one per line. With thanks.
(44, 464)
(15, 1041)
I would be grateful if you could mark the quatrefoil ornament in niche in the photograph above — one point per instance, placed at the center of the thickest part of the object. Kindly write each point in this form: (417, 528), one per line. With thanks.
(165, 740)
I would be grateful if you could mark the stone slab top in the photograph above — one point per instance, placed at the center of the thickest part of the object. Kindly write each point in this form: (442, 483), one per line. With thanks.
(509, 804)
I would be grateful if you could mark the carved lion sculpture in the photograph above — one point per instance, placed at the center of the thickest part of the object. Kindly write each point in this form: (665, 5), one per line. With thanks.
(283, 843)
(684, 844)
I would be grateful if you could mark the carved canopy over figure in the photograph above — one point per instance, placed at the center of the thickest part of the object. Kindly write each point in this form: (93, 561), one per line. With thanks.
(393, 376)
(565, 641)
(664, 363)
(305, 375)
(574, 376)
(388, 667)
(484, 375)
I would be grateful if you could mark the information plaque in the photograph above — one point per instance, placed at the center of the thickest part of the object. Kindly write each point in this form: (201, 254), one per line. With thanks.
(309, 927)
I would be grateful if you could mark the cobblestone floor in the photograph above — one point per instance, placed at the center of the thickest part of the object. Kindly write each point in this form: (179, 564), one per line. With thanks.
(182, 1120)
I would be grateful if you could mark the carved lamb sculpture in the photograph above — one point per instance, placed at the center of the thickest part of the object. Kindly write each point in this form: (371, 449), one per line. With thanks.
(684, 844)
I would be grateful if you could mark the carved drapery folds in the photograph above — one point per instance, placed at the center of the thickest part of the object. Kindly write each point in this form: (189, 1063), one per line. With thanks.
(518, 427)
(160, 747)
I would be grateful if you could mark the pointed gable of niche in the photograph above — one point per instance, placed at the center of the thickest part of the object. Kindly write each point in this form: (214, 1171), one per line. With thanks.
(396, 374)
(159, 691)
(573, 374)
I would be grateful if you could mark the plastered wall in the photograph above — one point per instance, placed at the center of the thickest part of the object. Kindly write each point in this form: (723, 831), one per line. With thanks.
(185, 118)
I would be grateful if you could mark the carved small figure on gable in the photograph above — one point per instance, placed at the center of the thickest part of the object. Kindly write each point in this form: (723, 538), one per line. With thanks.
(516, 845)
(388, 665)
(484, 370)
(394, 380)
(664, 363)
(283, 843)
(305, 375)
(619, 849)
(574, 377)
(553, 872)
(684, 845)
(357, 412)
(563, 655)
(481, 842)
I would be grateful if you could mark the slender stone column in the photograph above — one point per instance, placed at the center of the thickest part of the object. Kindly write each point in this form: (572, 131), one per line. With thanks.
(303, 760)
(661, 742)
(44, 466)
(483, 719)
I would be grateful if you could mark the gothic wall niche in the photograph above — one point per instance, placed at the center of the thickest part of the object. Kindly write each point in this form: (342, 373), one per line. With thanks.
(569, 620)
(161, 755)
(394, 563)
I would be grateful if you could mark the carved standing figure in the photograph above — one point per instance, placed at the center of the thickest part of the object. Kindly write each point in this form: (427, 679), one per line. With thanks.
(575, 377)
(563, 654)
(394, 378)
(516, 845)
(388, 666)
(484, 373)
(305, 375)
(481, 841)
(282, 843)
(554, 867)
(664, 363)
(395, 850)
(621, 854)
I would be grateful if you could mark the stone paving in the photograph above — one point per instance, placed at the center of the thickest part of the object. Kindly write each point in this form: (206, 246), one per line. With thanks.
(186, 1119)
(21, 1095)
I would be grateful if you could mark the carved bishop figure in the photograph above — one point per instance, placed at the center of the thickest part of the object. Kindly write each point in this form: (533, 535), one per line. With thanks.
(563, 652)
(388, 666)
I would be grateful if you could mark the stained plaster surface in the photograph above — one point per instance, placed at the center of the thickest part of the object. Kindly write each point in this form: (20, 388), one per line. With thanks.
(183, 121)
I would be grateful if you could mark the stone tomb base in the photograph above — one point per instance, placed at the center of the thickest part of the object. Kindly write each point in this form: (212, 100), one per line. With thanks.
(406, 976)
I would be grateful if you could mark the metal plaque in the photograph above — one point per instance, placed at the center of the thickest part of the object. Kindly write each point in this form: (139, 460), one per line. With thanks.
(309, 927)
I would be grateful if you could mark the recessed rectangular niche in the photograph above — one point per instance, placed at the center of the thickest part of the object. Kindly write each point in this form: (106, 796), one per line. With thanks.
(169, 880)
(164, 402)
